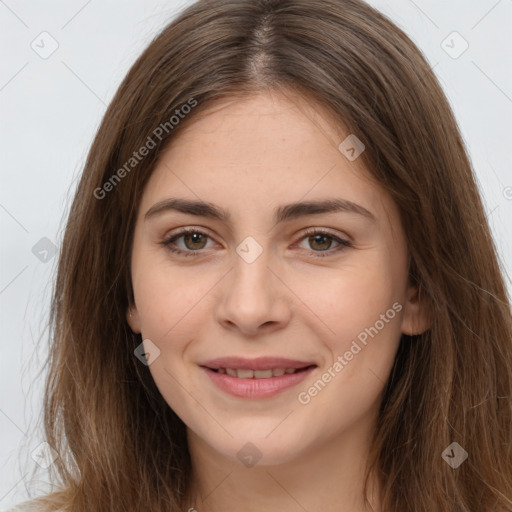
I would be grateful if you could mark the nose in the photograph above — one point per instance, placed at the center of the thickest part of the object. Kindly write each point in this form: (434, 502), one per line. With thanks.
(254, 298)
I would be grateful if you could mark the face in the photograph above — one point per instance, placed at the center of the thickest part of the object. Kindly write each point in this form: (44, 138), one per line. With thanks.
(267, 323)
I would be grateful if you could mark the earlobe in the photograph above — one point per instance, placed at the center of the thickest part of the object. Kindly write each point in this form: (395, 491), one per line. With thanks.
(132, 317)
(415, 319)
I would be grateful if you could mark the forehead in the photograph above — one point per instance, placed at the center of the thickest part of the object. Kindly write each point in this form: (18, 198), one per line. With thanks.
(247, 125)
(261, 151)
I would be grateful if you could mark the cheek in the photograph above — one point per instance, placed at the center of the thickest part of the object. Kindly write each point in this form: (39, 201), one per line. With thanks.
(358, 313)
(167, 314)
(363, 316)
(167, 297)
(156, 307)
(351, 299)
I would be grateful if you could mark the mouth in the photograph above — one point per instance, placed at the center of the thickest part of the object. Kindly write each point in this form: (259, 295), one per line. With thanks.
(247, 373)
(257, 378)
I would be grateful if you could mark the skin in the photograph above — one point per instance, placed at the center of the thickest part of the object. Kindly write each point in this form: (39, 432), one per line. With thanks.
(249, 156)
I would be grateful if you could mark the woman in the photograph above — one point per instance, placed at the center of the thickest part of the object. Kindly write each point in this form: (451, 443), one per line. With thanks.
(277, 286)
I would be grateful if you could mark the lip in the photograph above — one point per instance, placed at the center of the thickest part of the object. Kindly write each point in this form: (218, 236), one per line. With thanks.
(256, 388)
(260, 363)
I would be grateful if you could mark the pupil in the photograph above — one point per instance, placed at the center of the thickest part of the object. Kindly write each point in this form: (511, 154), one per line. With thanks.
(195, 238)
(318, 238)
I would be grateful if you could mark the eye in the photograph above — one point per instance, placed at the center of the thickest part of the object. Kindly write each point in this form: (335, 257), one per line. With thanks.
(322, 240)
(195, 240)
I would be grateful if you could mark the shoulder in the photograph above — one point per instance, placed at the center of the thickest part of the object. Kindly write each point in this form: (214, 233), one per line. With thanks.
(43, 503)
(23, 507)
(27, 506)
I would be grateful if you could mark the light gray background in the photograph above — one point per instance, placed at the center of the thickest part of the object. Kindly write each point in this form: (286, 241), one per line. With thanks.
(52, 107)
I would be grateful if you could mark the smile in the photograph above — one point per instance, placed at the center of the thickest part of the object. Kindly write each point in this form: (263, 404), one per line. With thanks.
(257, 374)
(256, 384)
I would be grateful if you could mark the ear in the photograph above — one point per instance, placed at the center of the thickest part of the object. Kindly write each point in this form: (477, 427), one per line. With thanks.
(132, 317)
(415, 319)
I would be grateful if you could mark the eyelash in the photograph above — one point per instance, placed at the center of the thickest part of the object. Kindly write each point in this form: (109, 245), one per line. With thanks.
(168, 243)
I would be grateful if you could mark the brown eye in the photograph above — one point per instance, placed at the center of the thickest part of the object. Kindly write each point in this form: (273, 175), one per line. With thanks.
(194, 240)
(320, 243)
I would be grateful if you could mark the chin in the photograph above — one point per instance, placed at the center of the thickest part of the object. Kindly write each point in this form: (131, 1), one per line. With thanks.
(261, 451)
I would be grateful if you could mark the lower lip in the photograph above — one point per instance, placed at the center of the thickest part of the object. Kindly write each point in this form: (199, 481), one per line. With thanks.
(256, 388)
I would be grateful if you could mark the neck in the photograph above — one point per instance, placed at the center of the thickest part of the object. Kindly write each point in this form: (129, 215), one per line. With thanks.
(328, 477)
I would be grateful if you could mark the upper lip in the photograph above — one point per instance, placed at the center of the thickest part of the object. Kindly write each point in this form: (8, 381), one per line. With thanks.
(260, 363)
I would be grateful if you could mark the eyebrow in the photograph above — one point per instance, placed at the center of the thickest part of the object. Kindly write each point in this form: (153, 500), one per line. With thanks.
(281, 214)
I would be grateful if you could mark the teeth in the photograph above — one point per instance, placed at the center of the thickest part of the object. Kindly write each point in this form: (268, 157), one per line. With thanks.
(255, 374)
(262, 374)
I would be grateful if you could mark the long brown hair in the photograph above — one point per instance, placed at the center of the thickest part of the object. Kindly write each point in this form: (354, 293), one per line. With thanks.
(121, 446)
